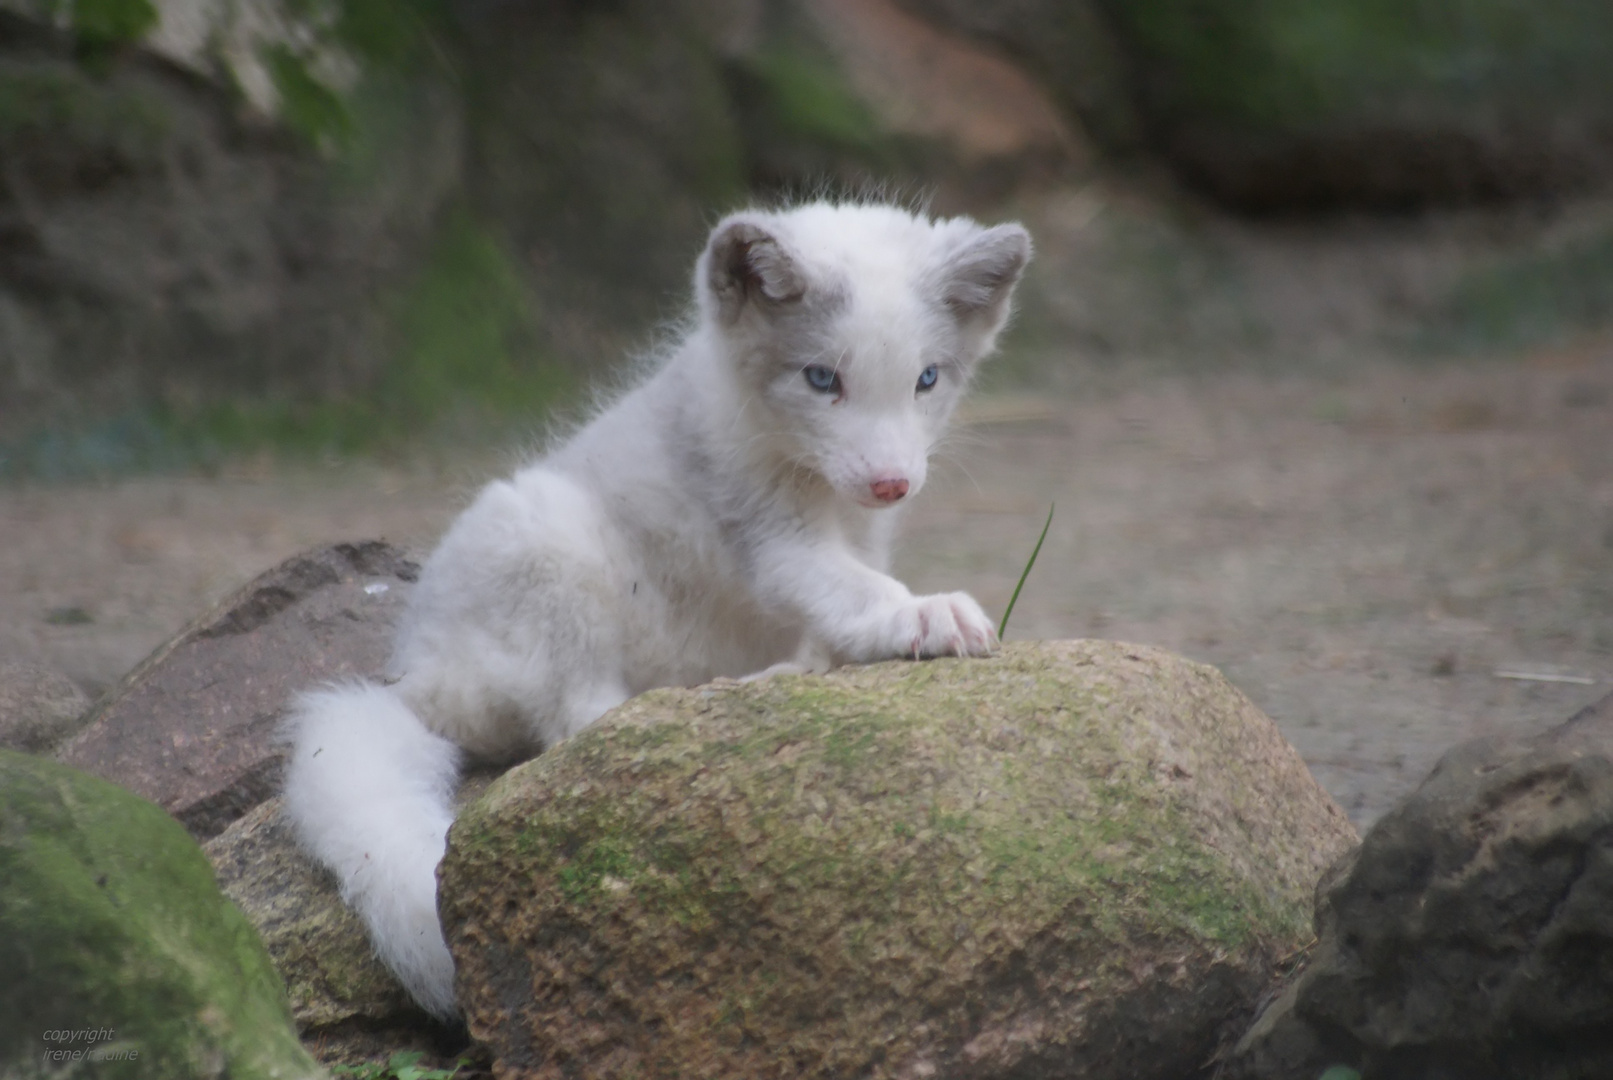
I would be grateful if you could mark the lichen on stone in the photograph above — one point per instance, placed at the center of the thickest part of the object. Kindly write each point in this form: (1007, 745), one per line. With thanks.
(859, 870)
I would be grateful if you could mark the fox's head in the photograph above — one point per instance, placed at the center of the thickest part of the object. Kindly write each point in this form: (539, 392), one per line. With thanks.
(854, 330)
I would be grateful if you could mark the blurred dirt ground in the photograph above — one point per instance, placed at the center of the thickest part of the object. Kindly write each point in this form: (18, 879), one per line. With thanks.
(1362, 557)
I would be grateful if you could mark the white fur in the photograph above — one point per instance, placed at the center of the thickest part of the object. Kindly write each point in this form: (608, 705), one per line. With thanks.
(721, 518)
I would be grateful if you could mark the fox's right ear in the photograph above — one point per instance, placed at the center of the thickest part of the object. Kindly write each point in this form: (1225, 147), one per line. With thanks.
(746, 264)
(977, 280)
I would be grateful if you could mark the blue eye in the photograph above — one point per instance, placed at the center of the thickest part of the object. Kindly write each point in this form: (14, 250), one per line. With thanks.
(823, 380)
(927, 378)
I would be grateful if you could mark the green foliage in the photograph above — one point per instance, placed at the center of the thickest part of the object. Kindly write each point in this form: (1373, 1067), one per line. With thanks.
(106, 24)
(307, 105)
(810, 98)
(384, 36)
(403, 1065)
(1002, 628)
(1340, 1072)
(465, 328)
(393, 33)
(803, 97)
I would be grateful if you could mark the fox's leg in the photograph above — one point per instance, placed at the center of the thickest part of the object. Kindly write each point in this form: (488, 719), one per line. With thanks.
(811, 658)
(584, 707)
(857, 614)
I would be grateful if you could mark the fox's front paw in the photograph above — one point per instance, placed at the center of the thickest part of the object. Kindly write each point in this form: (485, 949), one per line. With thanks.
(946, 624)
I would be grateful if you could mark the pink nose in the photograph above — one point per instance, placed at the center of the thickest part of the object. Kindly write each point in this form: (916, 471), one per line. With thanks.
(889, 490)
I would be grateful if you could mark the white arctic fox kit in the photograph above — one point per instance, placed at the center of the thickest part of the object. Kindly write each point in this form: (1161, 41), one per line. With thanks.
(731, 514)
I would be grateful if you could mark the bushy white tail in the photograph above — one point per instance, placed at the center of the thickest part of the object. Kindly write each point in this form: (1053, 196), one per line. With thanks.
(369, 792)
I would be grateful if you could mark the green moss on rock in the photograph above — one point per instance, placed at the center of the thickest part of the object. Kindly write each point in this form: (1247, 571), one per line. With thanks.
(117, 944)
(105, 24)
(49, 101)
(881, 869)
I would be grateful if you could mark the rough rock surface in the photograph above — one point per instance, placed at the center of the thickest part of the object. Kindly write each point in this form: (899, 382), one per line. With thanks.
(333, 978)
(1076, 858)
(117, 945)
(348, 1008)
(1336, 102)
(980, 112)
(1281, 107)
(1069, 45)
(1471, 936)
(193, 727)
(154, 237)
(38, 708)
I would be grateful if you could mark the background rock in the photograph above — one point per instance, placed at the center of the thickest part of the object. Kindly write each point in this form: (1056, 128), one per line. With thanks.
(1077, 857)
(1070, 46)
(193, 727)
(110, 920)
(1295, 107)
(160, 246)
(1471, 936)
(38, 708)
(918, 104)
(1384, 103)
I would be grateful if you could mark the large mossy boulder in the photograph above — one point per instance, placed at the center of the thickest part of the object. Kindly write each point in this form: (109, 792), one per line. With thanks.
(1076, 858)
(118, 947)
(1471, 935)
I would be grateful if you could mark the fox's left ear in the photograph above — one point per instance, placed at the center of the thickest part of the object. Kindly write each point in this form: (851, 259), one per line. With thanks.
(977, 279)
(747, 264)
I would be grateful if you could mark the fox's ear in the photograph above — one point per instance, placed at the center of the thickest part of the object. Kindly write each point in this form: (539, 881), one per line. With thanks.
(977, 278)
(747, 264)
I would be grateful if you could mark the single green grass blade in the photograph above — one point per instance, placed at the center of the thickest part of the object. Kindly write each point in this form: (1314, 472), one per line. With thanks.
(1002, 627)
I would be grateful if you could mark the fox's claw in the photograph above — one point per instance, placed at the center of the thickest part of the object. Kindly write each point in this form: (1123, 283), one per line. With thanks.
(946, 624)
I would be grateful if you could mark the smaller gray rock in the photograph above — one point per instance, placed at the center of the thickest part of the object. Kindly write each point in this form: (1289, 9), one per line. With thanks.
(39, 709)
(1471, 935)
(316, 942)
(347, 1006)
(194, 727)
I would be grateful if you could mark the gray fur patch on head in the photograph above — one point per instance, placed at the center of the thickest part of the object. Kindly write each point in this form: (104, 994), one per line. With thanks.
(976, 280)
(746, 263)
